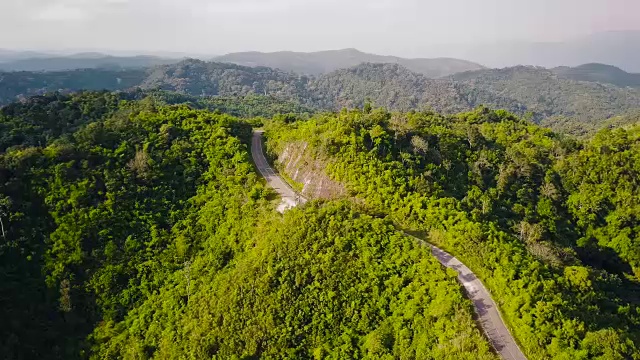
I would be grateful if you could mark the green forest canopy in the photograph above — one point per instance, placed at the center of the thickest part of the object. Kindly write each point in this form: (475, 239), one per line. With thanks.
(138, 230)
(550, 224)
(135, 229)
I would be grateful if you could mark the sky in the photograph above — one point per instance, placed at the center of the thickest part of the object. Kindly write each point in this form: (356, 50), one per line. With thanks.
(399, 27)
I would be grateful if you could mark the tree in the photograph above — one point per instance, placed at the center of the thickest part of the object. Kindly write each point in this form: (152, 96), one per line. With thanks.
(367, 107)
(5, 206)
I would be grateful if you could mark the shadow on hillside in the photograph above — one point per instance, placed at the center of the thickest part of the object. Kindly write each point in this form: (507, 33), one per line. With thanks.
(605, 259)
(33, 326)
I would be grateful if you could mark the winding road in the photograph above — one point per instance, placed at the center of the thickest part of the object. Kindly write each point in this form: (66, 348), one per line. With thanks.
(488, 316)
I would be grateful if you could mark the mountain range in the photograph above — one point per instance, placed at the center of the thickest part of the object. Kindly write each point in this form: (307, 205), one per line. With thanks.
(322, 62)
(44, 62)
(13, 55)
(316, 63)
(576, 100)
(617, 48)
(599, 73)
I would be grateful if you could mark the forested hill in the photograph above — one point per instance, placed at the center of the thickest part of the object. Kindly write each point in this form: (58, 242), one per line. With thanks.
(83, 61)
(189, 77)
(322, 62)
(536, 92)
(550, 98)
(577, 107)
(550, 225)
(197, 77)
(22, 84)
(133, 230)
(397, 88)
(599, 73)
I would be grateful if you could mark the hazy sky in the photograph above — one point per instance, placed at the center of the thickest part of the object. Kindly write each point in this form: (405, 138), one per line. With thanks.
(401, 27)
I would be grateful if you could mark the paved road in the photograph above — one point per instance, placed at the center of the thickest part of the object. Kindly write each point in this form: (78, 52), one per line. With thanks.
(289, 197)
(488, 315)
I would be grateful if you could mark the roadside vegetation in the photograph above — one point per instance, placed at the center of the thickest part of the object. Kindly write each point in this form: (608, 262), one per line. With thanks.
(549, 223)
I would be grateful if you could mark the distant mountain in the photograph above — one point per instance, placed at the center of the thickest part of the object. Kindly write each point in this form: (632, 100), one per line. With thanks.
(84, 61)
(390, 85)
(19, 85)
(617, 48)
(196, 77)
(317, 63)
(13, 55)
(545, 96)
(552, 99)
(599, 73)
(549, 98)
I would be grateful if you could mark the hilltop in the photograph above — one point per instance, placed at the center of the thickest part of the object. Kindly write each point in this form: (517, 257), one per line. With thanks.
(42, 62)
(602, 73)
(322, 62)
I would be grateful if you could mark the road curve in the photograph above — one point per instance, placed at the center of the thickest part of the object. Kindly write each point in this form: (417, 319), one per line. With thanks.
(290, 197)
(488, 316)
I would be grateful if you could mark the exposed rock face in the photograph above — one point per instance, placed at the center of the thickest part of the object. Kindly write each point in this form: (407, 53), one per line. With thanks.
(306, 170)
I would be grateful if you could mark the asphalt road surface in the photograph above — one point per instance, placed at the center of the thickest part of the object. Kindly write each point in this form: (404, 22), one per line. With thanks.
(488, 316)
(289, 197)
(485, 308)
